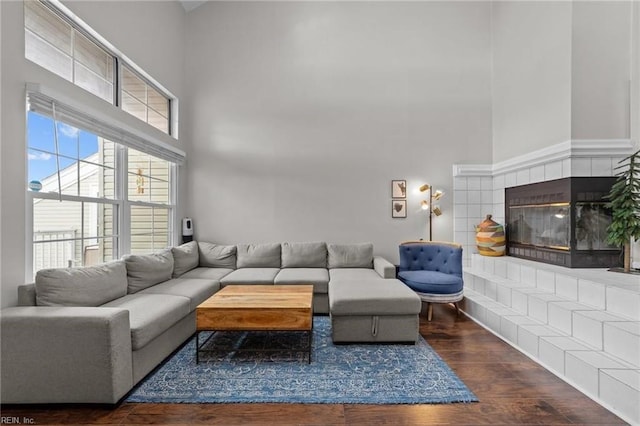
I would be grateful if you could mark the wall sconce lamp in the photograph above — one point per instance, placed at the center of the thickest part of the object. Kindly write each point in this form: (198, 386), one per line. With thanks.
(434, 209)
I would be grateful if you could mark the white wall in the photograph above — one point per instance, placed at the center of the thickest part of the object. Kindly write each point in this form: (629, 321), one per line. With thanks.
(1, 179)
(601, 70)
(561, 71)
(120, 22)
(531, 76)
(301, 113)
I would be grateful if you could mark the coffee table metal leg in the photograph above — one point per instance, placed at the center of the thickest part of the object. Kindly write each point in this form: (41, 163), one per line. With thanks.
(310, 343)
(310, 340)
(197, 347)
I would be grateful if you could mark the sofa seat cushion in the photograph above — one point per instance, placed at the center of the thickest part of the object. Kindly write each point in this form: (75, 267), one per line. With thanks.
(207, 273)
(87, 286)
(353, 274)
(318, 277)
(432, 282)
(372, 297)
(197, 290)
(150, 315)
(251, 276)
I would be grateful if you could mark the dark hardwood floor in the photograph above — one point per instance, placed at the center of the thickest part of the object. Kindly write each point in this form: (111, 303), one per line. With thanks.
(512, 389)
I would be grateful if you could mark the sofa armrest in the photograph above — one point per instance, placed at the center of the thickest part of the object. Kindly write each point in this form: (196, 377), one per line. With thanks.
(65, 355)
(383, 267)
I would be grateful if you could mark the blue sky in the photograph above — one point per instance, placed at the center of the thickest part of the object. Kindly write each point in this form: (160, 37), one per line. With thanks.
(73, 144)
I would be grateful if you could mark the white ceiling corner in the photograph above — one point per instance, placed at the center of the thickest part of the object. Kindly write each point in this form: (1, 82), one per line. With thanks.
(189, 5)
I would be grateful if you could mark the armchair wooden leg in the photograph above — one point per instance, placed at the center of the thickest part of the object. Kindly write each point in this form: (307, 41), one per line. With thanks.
(429, 311)
(457, 309)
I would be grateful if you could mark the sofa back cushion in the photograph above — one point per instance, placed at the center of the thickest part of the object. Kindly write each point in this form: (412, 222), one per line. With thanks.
(350, 255)
(304, 255)
(149, 269)
(217, 256)
(87, 286)
(259, 255)
(185, 258)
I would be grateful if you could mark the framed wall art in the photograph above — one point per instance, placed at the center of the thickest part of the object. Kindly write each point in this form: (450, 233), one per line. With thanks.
(398, 189)
(398, 208)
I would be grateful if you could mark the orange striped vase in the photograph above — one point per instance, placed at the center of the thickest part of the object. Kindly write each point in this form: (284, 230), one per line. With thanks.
(490, 238)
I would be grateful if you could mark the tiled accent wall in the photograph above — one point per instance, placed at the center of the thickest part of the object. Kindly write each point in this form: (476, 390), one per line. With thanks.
(473, 199)
(479, 188)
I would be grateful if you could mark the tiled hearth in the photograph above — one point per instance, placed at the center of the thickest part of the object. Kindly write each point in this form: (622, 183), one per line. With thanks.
(581, 324)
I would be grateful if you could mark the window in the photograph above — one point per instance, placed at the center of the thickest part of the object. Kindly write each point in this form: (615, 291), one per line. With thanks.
(57, 43)
(141, 100)
(75, 207)
(96, 191)
(148, 191)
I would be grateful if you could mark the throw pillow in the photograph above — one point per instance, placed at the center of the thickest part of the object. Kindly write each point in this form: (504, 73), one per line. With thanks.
(185, 258)
(146, 270)
(304, 255)
(87, 286)
(217, 256)
(350, 255)
(259, 255)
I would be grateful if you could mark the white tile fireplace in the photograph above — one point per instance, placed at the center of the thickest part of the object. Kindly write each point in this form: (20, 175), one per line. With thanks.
(479, 188)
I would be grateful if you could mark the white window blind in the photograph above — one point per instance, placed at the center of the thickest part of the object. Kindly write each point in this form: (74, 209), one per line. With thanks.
(44, 104)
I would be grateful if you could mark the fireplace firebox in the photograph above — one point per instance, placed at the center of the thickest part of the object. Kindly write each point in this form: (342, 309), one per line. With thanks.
(563, 222)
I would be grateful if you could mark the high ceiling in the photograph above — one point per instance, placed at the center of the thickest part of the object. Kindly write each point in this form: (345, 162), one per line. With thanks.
(189, 5)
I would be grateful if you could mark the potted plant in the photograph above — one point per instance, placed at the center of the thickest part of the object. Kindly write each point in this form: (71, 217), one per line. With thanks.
(625, 206)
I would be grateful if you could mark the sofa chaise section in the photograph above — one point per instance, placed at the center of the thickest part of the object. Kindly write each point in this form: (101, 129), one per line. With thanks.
(379, 310)
(367, 304)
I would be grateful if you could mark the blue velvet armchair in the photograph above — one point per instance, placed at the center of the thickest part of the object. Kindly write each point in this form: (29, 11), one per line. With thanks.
(433, 270)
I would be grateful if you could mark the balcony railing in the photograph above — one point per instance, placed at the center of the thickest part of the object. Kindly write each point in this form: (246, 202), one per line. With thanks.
(55, 249)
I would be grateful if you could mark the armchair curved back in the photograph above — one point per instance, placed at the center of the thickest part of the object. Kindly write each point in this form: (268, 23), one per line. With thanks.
(431, 256)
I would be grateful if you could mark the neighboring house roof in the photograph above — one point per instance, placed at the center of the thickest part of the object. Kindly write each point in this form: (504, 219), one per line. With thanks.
(69, 175)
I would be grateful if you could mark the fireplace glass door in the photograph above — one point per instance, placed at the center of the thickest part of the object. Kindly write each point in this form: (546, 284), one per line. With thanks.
(542, 225)
(592, 220)
(563, 222)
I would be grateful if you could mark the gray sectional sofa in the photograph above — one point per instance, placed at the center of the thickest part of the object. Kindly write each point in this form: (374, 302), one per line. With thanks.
(88, 335)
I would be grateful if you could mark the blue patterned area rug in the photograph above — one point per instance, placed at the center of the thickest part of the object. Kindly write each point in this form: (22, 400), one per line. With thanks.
(338, 374)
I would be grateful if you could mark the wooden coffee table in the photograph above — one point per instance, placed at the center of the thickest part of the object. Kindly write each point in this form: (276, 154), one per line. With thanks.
(257, 308)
